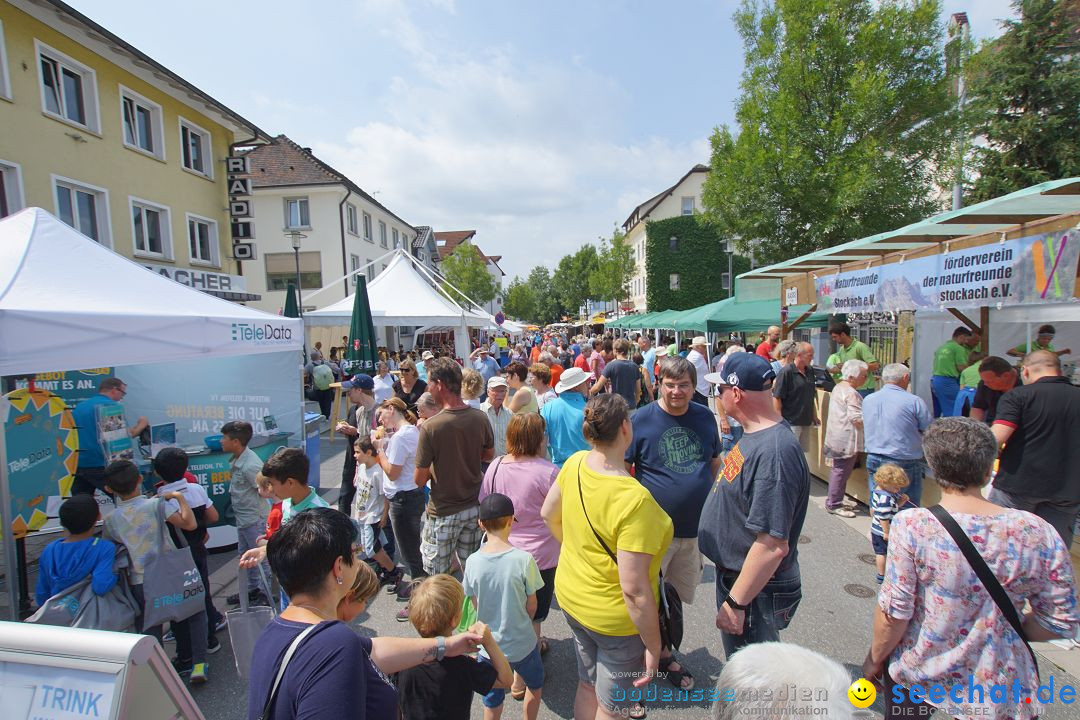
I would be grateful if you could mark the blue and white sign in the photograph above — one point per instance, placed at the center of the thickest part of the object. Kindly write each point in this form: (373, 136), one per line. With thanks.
(38, 692)
(1025, 271)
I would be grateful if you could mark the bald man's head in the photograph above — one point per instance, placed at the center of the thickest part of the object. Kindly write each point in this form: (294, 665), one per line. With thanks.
(1041, 363)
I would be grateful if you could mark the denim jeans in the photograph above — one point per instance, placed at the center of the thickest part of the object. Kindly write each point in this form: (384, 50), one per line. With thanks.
(944, 389)
(727, 442)
(246, 540)
(913, 468)
(770, 612)
(406, 514)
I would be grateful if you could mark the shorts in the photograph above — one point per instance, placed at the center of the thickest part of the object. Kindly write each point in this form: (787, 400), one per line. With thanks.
(441, 537)
(881, 545)
(543, 595)
(370, 543)
(610, 663)
(531, 670)
(682, 567)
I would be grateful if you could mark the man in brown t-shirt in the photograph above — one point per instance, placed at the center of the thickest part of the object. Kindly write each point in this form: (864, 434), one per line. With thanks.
(449, 453)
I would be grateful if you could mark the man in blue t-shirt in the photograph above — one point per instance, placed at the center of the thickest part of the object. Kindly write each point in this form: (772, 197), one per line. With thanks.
(90, 472)
(675, 454)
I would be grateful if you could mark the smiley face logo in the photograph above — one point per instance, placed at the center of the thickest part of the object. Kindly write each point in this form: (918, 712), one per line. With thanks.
(862, 693)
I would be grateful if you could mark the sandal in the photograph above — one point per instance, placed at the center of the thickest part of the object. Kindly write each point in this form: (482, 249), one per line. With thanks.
(518, 695)
(675, 677)
(638, 712)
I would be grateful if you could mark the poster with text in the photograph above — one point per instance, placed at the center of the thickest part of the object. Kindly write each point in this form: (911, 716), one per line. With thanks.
(1025, 271)
(72, 385)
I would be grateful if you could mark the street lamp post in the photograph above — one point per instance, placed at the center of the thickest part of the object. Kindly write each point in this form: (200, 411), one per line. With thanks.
(295, 238)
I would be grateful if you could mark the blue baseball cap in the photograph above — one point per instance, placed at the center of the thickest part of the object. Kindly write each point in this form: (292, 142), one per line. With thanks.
(745, 371)
(359, 381)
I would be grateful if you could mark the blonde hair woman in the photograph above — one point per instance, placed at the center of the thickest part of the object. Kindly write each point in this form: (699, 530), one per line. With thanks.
(397, 458)
(472, 387)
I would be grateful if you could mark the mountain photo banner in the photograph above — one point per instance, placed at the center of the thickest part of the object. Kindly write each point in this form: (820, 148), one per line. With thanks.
(1024, 271)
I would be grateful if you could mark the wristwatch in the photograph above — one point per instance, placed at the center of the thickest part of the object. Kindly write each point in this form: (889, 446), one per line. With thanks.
(440, 648)
(731, 601)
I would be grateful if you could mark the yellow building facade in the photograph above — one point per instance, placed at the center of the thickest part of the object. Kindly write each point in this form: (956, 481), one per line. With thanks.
(116, 145)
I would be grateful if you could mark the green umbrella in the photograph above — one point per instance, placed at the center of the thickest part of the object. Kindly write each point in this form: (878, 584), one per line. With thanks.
(362, 353)
(292, 304)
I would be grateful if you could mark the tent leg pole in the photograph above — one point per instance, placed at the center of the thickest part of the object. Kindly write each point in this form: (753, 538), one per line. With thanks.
(984, 322)
(10, 555)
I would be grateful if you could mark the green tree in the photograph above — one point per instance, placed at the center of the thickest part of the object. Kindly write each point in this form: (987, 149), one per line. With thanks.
(1025, 88)
(548, 307)
(520, 301)
(614, 266)
(466, 269)
(571, 279)
(844, 124)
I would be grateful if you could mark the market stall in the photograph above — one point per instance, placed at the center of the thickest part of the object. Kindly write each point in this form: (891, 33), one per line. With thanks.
(67, 302)
(1001, 267)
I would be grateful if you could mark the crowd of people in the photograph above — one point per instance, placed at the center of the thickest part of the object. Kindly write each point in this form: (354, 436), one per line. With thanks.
(595, 471)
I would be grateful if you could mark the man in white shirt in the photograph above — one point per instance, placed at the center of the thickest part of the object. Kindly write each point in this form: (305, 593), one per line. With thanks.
(498, 414)
(696, 356)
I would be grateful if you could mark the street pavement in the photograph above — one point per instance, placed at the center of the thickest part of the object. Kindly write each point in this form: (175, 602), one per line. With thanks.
(834, 618)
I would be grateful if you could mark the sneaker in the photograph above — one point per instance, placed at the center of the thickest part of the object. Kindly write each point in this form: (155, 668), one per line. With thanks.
(403, 614)
(199, 674)
(182, 667)
(880, 579)
(168, 637)
(391, 578)
(233, 599)
(404, 591)
(213, 645)
(841, 511)
(849, 503)
(221, 624)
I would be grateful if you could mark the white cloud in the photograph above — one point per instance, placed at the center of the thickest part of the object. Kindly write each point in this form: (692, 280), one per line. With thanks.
(526, 153)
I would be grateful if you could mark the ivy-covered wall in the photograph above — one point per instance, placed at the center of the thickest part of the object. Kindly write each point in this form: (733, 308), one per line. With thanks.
(697, 256)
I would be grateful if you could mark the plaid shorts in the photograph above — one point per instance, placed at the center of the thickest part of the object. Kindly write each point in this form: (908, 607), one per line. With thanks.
(442, 536)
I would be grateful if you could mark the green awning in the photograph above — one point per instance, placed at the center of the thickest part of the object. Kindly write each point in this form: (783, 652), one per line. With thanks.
(696, 318)
(757, 316)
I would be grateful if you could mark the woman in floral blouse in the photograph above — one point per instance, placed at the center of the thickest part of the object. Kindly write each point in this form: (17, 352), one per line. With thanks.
(935, 622)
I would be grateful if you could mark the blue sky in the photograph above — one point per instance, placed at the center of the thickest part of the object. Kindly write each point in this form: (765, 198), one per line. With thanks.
(539, 124)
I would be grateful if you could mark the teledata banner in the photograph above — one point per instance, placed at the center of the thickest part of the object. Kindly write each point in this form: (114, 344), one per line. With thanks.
(1025, 271)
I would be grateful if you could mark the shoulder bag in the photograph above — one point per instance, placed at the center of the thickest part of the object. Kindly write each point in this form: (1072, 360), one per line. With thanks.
(269, 706)
(172, 586)
(985, 575)
(669, 608)
(79, 606)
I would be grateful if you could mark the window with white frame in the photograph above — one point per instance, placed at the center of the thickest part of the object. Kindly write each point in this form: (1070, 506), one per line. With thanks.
(394, 236)
(202, 240)
(354, 261)
(150, 229)
(5, 79)
(369, 270)
(351, 221)
(281, 270)
(68, 88)
(688, 206)
(382, 233)
(673, 281)
(195, 149)
(296, 213)
(83, 207)
(142, 122)
(11, 195)
(367, 228)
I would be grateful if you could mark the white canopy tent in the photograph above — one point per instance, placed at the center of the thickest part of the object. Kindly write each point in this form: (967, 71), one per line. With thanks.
(406, 294)
(67, 302)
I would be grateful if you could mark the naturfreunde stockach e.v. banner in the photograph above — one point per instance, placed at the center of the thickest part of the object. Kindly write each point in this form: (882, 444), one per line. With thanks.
(1025, 271)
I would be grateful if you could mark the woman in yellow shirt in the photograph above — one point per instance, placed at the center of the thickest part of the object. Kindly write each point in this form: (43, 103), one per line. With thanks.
(595, 507)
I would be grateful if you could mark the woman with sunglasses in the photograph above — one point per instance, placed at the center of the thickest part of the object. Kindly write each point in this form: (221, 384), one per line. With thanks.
(409, 386)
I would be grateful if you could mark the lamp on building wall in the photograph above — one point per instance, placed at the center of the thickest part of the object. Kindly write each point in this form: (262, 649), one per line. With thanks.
(295, 237)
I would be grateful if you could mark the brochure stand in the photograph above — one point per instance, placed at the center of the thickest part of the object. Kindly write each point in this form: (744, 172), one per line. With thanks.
(56, 673)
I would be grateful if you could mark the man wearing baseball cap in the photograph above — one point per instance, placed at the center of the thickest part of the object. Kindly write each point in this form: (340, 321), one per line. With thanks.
(565, 415)
(360, 419)
(498, 414)
(752, 518)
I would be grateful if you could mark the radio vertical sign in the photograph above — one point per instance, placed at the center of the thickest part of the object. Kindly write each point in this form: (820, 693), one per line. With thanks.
(240, 210)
